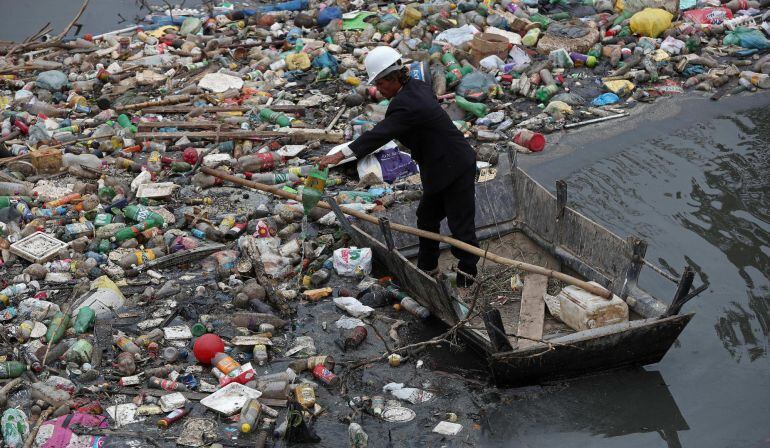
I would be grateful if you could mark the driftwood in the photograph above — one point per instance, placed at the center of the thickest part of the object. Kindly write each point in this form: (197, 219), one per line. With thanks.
(175, 99)
(594, 289)
(296, 135)
(160, 109)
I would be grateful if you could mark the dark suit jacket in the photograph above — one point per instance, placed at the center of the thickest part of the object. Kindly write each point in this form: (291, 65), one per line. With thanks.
(415, 118)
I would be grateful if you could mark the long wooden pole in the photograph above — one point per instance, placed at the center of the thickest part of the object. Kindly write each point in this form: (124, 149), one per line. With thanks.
(594, 289)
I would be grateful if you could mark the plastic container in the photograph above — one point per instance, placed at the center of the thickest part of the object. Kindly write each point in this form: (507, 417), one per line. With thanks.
(534, 141)
(581, 310)
(249, 415)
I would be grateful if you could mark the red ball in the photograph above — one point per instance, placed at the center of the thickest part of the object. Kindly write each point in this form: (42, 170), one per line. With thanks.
(207, 346)
(190, 155)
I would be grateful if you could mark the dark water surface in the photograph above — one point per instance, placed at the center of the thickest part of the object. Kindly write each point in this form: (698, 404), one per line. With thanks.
(691, 177)
(693, 181)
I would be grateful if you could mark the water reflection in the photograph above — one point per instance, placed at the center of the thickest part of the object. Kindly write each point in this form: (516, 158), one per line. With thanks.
(617, 404)
(712, 180)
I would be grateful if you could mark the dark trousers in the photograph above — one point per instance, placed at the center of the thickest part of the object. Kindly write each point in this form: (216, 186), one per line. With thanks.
(456, 203)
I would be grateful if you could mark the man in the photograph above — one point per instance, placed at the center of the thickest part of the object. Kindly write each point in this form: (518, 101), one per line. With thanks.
(447, 162)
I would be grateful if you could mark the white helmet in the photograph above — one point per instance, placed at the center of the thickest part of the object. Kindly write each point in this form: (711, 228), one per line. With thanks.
(381, 61)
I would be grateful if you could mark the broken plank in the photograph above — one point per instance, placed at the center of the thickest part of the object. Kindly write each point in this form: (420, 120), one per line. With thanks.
(531, 317)
(187, 108)
(184, 124)
(297, 135)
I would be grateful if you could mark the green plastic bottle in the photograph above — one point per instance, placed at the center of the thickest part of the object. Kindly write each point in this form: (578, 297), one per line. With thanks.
(315, 184)
(84, 320)
(127, 233)
(453, 72)
(477, 109)
(141, 213)
(545, 93)
(541, 19)
(271, 116)
(12, 369)
(7, 201)
(57, 327)
(102, 219)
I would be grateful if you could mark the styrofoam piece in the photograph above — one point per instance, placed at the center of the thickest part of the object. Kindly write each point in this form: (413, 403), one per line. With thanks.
(176, 333)
(156, 190)
(124, 414)
(230, 399)
(38, 247)
(251, 340)
(448, 428)
(172, 401)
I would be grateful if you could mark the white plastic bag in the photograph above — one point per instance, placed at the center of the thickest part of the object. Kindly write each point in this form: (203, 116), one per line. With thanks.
(410, 394)
(353, 307)
(348, 260)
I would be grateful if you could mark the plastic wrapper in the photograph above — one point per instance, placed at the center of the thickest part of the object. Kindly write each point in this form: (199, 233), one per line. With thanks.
(747, 38)
(386, 165)
(651, 22)
(708, 16)
(348, 261)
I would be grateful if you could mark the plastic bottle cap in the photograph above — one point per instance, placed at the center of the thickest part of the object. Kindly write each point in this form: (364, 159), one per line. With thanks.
(245, 427)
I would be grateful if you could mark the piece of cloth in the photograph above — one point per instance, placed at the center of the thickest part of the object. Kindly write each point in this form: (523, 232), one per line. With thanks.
(456, 203)
(416, 119)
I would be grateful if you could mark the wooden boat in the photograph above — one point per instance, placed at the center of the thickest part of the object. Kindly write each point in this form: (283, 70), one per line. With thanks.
(521, 219)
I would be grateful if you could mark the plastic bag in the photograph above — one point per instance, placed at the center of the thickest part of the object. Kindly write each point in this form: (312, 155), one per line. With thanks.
(53, 80)
(651, 22)
(620, 86)
(573, 99)
(328, 14)
(326, 60)
(747, 38)
(410, 394)
(353, 307)
(385, 165)
(708, 16)
(476, 86)
(348, 260)
(56, 433)
(457, 36)
(604, 99)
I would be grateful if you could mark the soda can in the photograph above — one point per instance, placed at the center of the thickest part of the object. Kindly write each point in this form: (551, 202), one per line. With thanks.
(325, 375)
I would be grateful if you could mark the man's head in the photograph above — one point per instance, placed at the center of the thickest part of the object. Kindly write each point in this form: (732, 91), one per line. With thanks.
(390, 84)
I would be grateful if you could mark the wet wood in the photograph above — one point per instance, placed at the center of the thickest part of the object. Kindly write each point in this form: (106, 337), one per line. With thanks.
(184, 124)
(159, 109)
(299, 135)
(532, 314)
(595, 289)
(174, 99)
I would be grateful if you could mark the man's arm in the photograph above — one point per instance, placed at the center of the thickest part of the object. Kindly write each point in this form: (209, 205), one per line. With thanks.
(394, 125)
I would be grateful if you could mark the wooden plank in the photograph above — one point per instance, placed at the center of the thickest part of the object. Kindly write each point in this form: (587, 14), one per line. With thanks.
(532, 313)
(185, 124)
(295, 134)
(211, 109)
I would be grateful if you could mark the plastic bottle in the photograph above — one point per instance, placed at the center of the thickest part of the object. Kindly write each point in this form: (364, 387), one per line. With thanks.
(249, 415)
(761, 80)
(453, 73)
(84, 319)
(160, 383)
(57, 327)
(530, 39)
(12, 369)
(358, 438)
(477, 109)
(153, 336)
(62, 200)
(173, 416)
(139, 257)
(415, 308)
(738, 5)
(126, 344)
(544, 93)
(260, 354)
(127, 233)
(315, 184)
(259, 162)
(305, 395)
(140, 213)
(12, 291)
(270, 116)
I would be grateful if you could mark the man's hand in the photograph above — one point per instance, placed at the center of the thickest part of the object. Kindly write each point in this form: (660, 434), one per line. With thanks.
(332, 159)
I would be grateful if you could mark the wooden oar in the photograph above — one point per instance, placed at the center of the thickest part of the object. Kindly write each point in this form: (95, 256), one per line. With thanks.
(594, 289)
